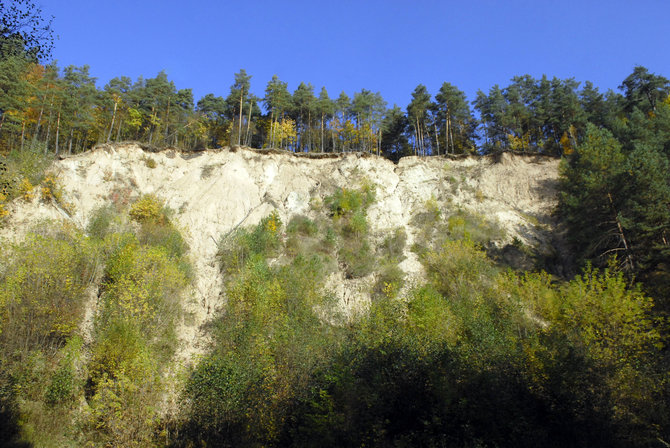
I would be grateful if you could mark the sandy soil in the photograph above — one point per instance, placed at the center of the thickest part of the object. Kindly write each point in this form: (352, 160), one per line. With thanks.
(214, 192)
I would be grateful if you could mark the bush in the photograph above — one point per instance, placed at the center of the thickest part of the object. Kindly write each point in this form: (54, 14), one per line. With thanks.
(119, 345)
(302, 225)
(430, 216)
(344, 202)
(51, 190)
(358, 258)
(466, 225)
(264, 240)
(148, 209)
(458, 268)
(61, 387)
(22, 167)
(143, 285)
(64, 383)
(393, 246)
(100, 221)
(150, 162)
(165, 236)
(42, 293)
(389, 281)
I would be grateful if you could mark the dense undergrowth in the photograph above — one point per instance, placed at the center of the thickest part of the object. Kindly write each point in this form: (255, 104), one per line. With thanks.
(476, 356)
(67, 379)
(473, 355)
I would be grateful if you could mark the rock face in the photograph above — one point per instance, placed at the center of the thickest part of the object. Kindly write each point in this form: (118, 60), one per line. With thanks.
(213, 192)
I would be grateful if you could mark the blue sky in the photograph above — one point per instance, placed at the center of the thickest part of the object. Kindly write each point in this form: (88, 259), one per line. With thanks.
(385, 46)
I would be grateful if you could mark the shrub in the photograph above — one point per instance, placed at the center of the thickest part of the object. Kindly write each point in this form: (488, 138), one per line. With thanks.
(458, 267)
(3, 206)
(264, 240)
(267, 342)
(64, 382)
(150, 162)
(42, 293)
(429, 216)
(302, 225)
(389, 281)
(344, 201)
(355, 226)
(123, 410)
(143, 285)
(148, 208)
(26, 190)
(166, 236)
(100, 221)
(28, 165)
(358, 258)
(51, 190)
(393, 246)
(119, 345)
(61, 387)
(466, 225)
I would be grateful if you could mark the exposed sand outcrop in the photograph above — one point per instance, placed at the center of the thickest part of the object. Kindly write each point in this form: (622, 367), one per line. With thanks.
(214, 192)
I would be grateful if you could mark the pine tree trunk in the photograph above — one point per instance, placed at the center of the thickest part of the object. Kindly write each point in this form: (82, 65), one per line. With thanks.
(39, 121)
(118, 132)
(239, 128)
(23, 132)
(151, 127)
(246, 137)
(629, 258)
(379, 142)
(69, 144)
(167, 122)
(111, 126)
(446, 133)
(57, 132)
(322, 148)
(309, 129)
(451, 136)
(272, 129)
(46, 140)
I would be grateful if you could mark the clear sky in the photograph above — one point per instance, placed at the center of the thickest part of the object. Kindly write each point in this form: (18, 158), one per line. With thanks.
(384, 46)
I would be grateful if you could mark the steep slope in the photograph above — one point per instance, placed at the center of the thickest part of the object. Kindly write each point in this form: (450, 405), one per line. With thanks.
(214, 192)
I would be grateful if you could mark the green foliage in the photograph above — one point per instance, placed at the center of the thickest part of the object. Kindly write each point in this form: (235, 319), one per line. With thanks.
(101, 221)
(142, 285)
(615, 195)
(123, 409)
(567, 361)
(345, 202)
(41, 301)
(242, 245)
(148, 209)
(19, 172)
(61, 387)
(150, 162)
(389, 281)
(29, 164)
(348, 210)
(164, 236)
(43, 285)
(267, 342)
(358, 258)
(302, 225)
(471, 226)
(43, 289)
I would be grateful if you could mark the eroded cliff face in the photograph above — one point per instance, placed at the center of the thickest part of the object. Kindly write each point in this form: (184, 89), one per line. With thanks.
(214, 192)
